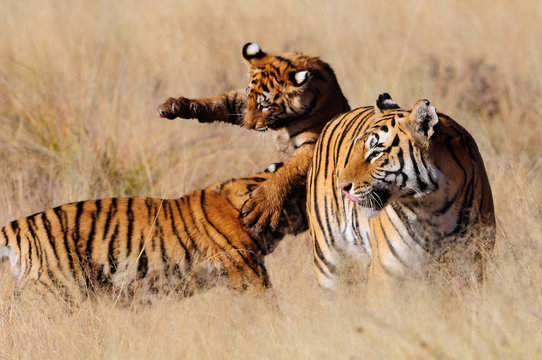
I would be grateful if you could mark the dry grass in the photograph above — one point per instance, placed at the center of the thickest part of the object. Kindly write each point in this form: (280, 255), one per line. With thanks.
(79, 84)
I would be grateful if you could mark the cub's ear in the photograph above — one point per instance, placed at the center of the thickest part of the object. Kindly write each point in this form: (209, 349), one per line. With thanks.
(254, 55)
(385, 102)
(299, 78)
(423, 119)
(252, 50)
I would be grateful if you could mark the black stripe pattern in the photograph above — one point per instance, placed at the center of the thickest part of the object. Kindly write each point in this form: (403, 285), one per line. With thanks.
(121, 245)
(420, 204)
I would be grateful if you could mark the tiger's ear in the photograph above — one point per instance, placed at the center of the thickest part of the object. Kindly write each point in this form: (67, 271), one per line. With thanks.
(423, 119)
(254, 55)
(299, 78)
(383, 103)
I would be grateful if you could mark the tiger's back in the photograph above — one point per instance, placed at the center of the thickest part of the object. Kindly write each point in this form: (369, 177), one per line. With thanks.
(161, 245)
(397, 191)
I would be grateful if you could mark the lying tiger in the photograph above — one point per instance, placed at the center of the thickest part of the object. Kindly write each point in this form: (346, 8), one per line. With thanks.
(158, 245)
(399, 190)
(292, 96)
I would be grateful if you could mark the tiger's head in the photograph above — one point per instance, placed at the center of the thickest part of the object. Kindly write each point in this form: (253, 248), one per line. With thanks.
(285, 88)
(390, 160)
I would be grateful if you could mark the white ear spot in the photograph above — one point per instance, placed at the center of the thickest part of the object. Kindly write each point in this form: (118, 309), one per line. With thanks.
(301, 77)
(253, 49)
(273, 167)
(390, 104)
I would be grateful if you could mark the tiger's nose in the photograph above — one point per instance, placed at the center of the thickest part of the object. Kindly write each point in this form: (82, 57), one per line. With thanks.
(346, 186)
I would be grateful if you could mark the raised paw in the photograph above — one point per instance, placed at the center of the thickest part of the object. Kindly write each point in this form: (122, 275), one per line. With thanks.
(178, 107)
(262, 209)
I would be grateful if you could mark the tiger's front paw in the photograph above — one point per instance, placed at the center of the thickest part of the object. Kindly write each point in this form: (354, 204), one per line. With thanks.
(262, 209)
(178, 107)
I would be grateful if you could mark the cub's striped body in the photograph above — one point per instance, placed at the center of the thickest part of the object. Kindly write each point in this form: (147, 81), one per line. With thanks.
(161, 245)
(399, 190)
(292, 96)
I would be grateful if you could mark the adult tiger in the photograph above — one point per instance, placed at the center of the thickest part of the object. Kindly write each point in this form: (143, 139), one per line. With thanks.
(163, 245)
(399, 190)
(292, 96)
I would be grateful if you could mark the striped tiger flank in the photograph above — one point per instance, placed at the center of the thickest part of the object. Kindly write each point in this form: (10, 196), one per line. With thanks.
(398, 191)
(118, 245)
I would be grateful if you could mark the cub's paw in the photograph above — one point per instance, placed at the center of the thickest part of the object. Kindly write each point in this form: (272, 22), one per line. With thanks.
(262, 209)
(178, 107)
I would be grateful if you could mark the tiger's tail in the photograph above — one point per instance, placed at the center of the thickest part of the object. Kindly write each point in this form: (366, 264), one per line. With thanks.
(6, 251)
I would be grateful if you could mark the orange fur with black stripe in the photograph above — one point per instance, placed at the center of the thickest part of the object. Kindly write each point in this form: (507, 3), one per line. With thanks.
(292, 96)
(399, 190)
(161, 245)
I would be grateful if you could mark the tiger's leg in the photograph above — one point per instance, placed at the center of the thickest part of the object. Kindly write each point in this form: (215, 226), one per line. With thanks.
(341, 249)
(326, 275)
(325, 261)
(229, 107)
(250, 274)
(484, 252)
(383, 277)
(265, 204)
(43, 289)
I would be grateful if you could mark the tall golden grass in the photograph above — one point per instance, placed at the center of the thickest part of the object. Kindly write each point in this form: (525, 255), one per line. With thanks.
(79, 84)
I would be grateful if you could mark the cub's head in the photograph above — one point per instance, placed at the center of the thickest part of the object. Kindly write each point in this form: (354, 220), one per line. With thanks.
(390, 160)
(284, 88)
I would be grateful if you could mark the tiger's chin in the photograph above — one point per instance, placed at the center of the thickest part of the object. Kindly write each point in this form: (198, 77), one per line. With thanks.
(369, 212)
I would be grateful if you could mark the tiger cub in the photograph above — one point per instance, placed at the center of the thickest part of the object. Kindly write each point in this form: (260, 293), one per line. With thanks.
(292, 96)
(401, 190)
(158, 245)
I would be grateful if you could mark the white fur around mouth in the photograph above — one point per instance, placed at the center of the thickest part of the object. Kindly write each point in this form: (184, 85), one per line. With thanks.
(262, 128)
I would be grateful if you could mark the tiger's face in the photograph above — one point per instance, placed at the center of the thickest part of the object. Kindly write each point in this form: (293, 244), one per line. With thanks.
(278, 91)
(389, 160)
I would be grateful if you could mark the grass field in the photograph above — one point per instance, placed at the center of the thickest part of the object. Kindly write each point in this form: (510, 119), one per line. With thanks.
(79, 85)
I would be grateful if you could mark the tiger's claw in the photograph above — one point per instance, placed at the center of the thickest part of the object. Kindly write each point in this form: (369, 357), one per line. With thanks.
(261, 210)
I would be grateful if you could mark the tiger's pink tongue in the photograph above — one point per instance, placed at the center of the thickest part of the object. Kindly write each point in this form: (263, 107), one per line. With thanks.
(351, 197)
